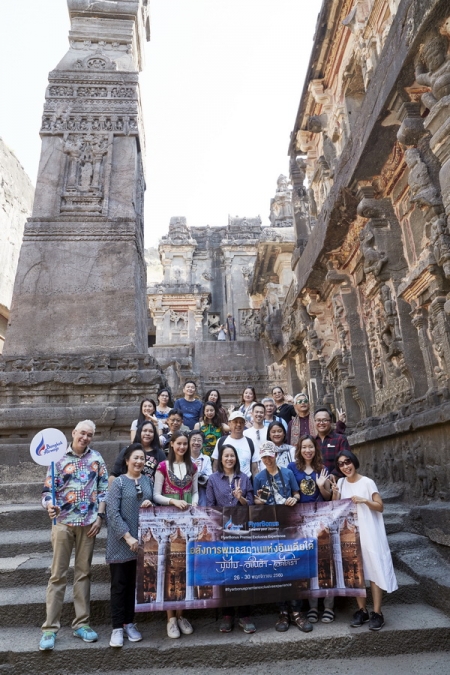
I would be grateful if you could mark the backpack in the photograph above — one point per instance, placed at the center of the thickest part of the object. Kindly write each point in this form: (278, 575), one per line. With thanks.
(251, 445)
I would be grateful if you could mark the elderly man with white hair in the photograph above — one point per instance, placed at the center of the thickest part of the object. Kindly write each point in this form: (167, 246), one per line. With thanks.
(81, 482)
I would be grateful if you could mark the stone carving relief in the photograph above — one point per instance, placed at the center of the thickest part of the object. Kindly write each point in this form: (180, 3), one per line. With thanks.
(213, 322)
(96, 61)
(178, 321)
(249, 323)
(84, 176)
(373, 259)
(423, 192)
(432, 68)
(276, 372)
(393, 382)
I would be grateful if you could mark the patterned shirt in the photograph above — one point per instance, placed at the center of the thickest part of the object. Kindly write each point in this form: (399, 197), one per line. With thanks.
(81, 483)
(331, 446)
(212, 435)
(122, 508)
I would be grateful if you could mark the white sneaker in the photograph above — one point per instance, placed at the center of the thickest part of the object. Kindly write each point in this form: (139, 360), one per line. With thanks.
(184, 626)
(116, 638)
(131, 632)
(172, 628)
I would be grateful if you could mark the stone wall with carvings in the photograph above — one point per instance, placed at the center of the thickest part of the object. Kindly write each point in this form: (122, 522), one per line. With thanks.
(16, 201)
(223, 276)
(365, 324)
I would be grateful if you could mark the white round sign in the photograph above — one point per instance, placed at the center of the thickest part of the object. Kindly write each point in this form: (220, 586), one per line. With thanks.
(49, 445)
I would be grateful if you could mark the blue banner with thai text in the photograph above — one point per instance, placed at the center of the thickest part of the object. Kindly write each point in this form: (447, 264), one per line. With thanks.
(238, 563)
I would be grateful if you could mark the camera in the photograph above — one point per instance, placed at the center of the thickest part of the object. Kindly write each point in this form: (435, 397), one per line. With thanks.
(202, 479)
(264, 493)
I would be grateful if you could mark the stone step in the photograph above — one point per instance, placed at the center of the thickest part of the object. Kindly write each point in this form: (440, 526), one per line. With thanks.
(400, 541)
(34, 569)
(21, 493)
(13, 543)
(409, 629)
(426, 564)
(24, 604)
(15, 517)
(419, 664)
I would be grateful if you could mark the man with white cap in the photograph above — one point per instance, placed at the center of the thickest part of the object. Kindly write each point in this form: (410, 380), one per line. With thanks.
(245, 448)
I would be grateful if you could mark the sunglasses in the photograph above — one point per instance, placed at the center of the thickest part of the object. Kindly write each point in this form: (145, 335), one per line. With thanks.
(345, 462)
(138, 490)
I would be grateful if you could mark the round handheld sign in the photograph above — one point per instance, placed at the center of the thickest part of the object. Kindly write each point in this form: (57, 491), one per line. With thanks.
(49, 445)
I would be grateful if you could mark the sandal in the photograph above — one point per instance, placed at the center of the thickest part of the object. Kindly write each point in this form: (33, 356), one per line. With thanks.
(301, 622)
(313, 615)
(328, 616)
(282, 625)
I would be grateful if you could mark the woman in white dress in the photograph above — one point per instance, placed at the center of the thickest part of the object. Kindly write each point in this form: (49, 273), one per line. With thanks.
(377, 560)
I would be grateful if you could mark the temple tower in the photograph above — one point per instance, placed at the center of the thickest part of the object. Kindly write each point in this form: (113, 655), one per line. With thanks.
(77, 343)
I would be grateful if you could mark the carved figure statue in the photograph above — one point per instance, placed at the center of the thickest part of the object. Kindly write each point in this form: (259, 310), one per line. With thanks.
(423, 191)
(373, 259)
(440, 242)
(433, 68)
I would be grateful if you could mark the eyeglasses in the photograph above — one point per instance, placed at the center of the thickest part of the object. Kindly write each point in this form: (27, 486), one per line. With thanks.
(345, 462)
(323, 421)
(138, 490)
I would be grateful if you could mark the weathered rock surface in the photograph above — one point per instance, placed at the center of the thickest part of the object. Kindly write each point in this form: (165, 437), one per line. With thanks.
(16, 201)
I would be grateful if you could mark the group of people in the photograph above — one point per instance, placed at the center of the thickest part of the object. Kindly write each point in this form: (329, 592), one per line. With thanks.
(194, 452)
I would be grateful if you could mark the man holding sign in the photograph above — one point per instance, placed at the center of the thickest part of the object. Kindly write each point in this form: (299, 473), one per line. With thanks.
(80, 484)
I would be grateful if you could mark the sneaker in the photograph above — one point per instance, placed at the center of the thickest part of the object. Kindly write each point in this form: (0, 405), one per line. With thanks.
(184, 626)
(376, 621)
(172, 629)
(131, 632)
(360, 617)
(301, 621)
(47, 641)
(226, 625)
(86, 634)
(116, 638)
(282, 625)
(247, 625)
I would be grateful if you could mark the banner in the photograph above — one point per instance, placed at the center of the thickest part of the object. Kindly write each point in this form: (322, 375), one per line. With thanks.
(214, 557)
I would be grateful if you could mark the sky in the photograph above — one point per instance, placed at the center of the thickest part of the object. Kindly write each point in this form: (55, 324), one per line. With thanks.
(221, 89)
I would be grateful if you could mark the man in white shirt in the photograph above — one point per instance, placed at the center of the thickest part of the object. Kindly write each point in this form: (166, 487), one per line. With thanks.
(258, 432)
(245, 448)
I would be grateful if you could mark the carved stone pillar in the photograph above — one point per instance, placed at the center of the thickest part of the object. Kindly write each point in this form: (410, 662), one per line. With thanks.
(335, 536)
(163, 541)
(420, 322)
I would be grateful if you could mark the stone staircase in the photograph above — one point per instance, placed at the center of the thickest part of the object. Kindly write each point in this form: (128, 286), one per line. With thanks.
(417, 615)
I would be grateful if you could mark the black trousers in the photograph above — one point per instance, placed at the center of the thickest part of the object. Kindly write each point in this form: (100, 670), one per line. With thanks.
(123, 590)
(240, 611)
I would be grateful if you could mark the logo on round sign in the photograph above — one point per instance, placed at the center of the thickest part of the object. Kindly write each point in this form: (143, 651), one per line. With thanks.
(49, 445)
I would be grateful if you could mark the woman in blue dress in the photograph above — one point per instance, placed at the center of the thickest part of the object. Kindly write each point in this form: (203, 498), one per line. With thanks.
(315, 486)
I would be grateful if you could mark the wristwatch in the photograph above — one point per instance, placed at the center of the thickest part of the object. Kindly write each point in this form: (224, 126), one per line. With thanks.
(101, 515)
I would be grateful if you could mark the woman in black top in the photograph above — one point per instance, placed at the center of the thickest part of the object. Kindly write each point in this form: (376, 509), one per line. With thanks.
(147, 436)
(284, 410)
